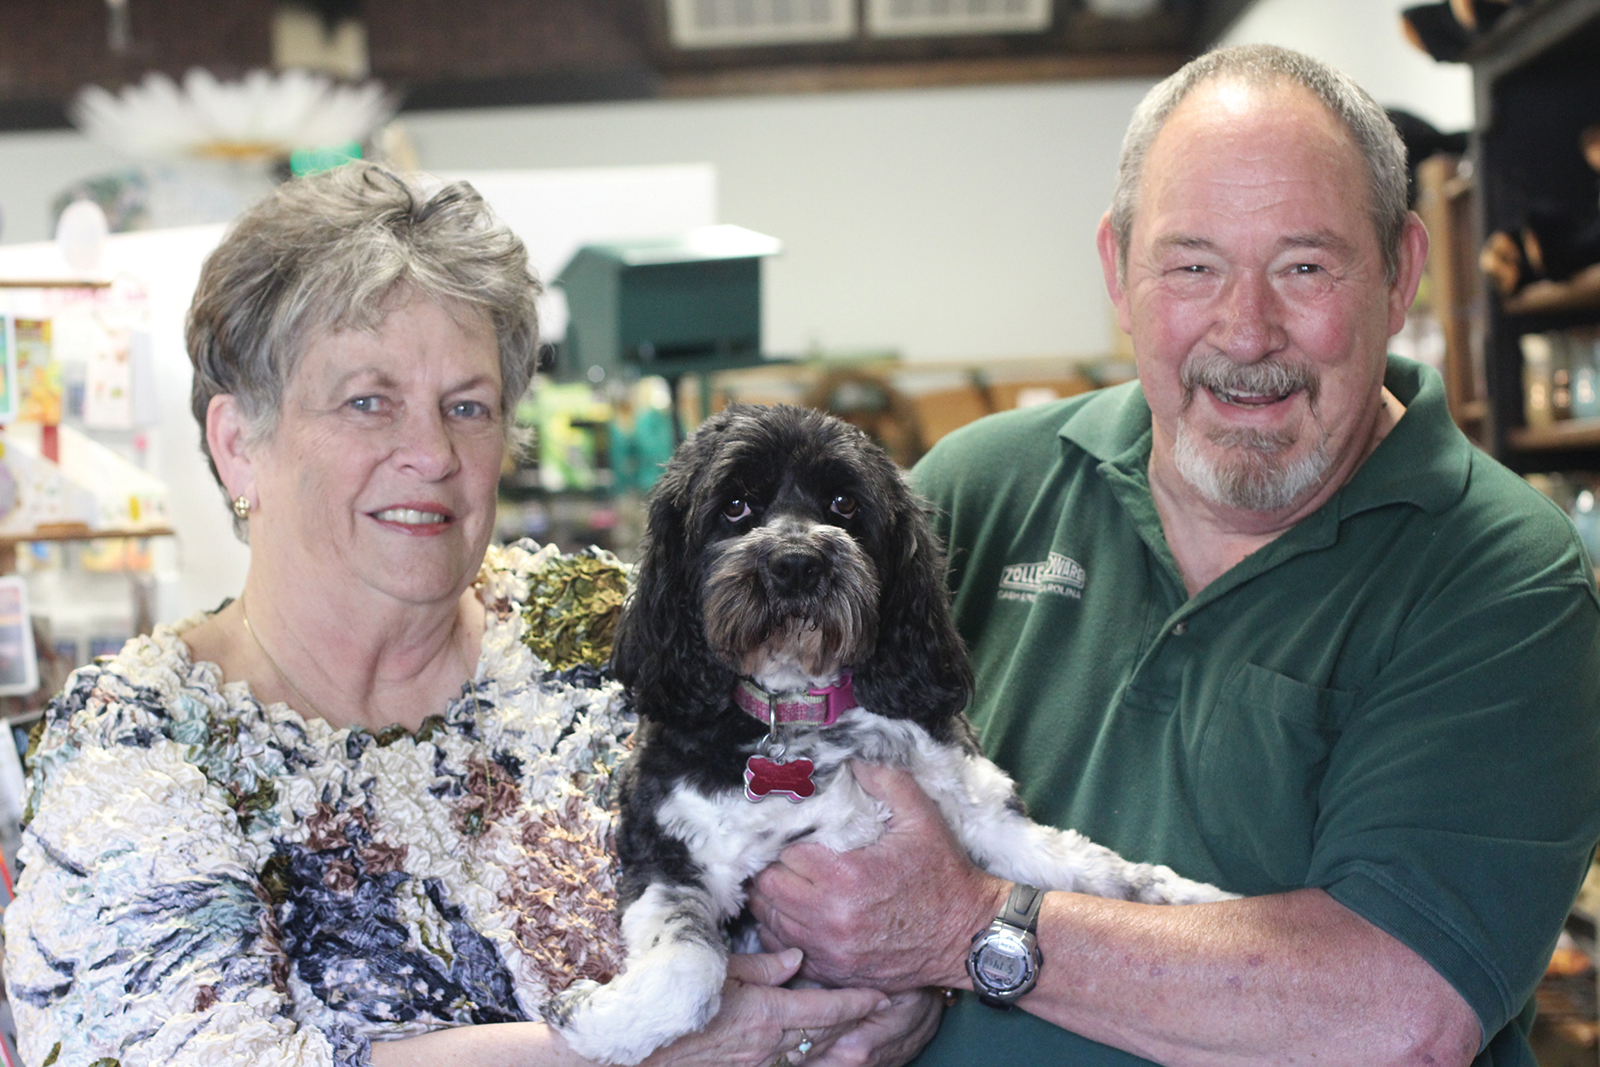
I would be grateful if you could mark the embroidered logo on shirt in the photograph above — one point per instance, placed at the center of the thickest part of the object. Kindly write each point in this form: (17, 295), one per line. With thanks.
(1059, 574)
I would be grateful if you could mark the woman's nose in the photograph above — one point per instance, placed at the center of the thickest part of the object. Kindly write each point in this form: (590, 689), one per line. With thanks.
(425, 446)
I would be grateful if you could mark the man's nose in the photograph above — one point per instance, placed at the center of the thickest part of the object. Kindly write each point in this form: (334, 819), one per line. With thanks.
(1249, 321)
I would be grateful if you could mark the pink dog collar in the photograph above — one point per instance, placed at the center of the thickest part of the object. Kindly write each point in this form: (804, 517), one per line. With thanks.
(822, 706)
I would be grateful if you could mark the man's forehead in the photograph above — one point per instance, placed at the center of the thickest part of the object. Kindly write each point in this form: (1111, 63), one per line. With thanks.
(1227, 108)
(1255, 144)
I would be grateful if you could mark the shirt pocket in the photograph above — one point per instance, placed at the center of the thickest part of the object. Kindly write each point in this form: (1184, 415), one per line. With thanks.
(1262, 757)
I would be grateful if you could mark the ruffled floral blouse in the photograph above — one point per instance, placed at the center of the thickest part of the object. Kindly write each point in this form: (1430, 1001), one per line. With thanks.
(209, 880)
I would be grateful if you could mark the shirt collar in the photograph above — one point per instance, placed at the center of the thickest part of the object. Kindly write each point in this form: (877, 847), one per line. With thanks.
(1114, 425)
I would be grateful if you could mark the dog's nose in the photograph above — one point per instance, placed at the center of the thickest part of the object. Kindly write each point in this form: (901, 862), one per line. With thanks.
(795, 573)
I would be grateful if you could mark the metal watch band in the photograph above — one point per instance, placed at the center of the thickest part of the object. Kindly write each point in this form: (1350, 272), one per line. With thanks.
(1022, 907)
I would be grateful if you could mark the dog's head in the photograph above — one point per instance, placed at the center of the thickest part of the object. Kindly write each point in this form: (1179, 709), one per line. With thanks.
(784, 543)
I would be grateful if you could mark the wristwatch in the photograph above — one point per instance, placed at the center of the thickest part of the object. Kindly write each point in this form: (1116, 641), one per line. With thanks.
(1005, 958)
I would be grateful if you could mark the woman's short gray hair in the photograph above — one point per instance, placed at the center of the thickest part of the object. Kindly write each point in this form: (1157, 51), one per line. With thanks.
(330, 252)
(1264, 65)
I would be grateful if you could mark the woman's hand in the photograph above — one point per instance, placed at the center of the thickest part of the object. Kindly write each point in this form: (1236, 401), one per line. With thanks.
(760, 1021)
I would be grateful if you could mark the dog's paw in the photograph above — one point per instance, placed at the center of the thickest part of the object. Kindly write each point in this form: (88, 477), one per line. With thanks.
(560, 1010)
(637, 1013)
(597, 1024)
(1163, 885)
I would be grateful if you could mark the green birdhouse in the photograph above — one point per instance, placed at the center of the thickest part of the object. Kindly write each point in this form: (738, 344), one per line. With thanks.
(670, 306)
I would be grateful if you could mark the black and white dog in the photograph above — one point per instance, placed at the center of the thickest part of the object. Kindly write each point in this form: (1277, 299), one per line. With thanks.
(789, 615)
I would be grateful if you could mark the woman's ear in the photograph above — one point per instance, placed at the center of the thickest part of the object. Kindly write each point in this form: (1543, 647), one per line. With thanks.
(228, 441)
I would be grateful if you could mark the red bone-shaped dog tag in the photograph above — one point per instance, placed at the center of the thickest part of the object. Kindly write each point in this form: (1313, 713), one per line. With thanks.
(763, 776)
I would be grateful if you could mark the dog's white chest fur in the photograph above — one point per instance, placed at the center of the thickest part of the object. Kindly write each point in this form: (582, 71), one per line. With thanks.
(733, 837)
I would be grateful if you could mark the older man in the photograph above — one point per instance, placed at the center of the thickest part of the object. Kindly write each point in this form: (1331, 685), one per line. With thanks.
(1264, 616)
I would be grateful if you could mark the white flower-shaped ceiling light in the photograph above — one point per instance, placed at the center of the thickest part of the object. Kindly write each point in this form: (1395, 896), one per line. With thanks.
(265, 116)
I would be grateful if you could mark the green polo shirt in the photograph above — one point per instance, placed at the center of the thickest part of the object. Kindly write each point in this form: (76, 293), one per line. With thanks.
(1397, 700)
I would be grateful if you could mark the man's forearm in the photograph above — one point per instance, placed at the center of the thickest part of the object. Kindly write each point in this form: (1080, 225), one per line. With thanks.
(1289, 978)
(1269, 980)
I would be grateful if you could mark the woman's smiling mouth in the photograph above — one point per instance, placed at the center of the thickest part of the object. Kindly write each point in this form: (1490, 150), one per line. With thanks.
(411, 517)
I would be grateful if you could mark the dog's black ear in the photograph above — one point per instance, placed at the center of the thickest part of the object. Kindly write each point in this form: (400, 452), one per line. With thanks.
(919, 669)
(660, 652)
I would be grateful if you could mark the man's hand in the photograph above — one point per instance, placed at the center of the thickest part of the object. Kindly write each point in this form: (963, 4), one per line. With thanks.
(896, 915)
(889, 1037)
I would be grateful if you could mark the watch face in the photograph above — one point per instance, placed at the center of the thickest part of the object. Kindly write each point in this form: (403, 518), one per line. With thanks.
(1003, 964)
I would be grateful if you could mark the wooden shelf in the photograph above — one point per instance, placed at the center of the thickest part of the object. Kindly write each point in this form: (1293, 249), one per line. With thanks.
(77, 531)
(54, 283)
(1568, 433)
(66, 531)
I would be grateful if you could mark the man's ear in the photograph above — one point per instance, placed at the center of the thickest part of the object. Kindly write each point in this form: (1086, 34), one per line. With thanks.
(228, 440)
(1105, 239)
(1412, 260)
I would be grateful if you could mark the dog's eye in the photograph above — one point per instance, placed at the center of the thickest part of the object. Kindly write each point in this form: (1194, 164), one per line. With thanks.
(843, 506)
(735, 510)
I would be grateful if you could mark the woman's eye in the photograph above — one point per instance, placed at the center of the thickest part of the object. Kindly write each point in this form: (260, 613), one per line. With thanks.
(469, 409)
(736, 510)
(365, 403)
(843, 506)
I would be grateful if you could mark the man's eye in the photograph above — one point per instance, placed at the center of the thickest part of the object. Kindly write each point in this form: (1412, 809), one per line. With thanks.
(843, 506)
(1306, 268)
(736, 510)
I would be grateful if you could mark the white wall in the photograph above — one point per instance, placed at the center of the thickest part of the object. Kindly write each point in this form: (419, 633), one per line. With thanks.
(35, 166)
(948, 223)
(1363, 39)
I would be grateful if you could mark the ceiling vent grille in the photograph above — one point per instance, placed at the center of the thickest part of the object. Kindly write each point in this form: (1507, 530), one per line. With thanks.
(736, 23)
(926, 18)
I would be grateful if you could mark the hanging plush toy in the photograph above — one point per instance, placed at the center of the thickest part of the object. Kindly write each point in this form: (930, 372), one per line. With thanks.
(1445, 29)
(1554, 242)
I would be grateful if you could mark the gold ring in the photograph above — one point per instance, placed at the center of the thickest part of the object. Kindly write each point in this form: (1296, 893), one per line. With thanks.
(805, 1044)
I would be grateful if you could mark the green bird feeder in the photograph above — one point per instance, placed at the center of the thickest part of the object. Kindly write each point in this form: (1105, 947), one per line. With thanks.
(689, 304)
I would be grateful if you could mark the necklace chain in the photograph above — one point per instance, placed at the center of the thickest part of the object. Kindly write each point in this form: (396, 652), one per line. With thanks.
(461, 657)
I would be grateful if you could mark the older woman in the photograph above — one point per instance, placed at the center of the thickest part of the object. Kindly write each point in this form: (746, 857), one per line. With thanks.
(358, 814)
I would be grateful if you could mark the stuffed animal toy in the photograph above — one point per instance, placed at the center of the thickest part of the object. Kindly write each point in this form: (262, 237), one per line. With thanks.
(1554, 241)
(1445, 29)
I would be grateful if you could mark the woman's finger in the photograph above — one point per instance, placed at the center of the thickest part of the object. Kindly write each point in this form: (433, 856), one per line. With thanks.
(764, 968)
(815, 1009)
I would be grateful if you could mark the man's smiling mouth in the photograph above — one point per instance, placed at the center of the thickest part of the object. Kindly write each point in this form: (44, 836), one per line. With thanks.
(1247, 386)
(1240, 399)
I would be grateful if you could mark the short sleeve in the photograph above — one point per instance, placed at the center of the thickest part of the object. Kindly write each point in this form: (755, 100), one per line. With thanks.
(1461, 804)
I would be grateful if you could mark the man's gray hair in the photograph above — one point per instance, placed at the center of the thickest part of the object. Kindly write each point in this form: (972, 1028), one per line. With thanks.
(333, 251)
(1262, 65)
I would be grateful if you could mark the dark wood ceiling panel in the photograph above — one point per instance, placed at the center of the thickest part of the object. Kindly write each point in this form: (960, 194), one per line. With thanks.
(51, 48)
(422, 41)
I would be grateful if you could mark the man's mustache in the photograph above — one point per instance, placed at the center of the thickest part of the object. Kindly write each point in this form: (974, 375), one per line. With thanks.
(1264, 377)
